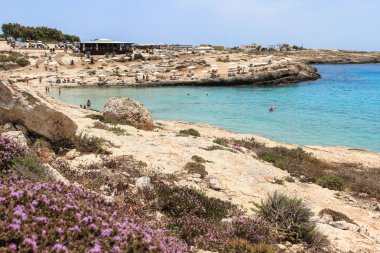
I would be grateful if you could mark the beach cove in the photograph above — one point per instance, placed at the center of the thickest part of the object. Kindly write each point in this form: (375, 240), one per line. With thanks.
(340, 109)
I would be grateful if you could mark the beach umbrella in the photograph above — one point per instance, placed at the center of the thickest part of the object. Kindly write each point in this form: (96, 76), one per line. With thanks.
(115, 58)
(214, 66)
(101, 60)
(122, 74)
(127, 58)
(161, 56)
(53, 63)
(205, 71)
(87, 60)
(101, 75)
(192, 67)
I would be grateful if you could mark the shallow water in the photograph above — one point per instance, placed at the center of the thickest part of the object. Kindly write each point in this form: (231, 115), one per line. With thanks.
(343, 108)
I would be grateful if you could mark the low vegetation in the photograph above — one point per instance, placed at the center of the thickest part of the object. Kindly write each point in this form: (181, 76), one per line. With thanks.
(196, 168)
(90, 144)
(198, 159)
(58, 218)
(189, 132)
(222, 141)
(9, 60)
(242, 246)
(331, 182)
(307, 168)
(290, 218)
(182, 201)
(193, 218)
(114, 129)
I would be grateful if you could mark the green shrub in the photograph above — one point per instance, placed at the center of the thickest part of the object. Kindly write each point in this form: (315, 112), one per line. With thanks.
(22, 62)
(214, 147)
(243, 246)
(189, 131)
(117, 130)
(29, 167)
(90, 144)
(198, 159)
(290, 217)
(95, 117)
(279, 181)
(180, 201)
(196, 168)
(250, 144)
(331, 182)
(221, 141)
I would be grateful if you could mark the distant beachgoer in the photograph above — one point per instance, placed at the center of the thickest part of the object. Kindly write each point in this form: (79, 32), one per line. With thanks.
(84, 107)
(46, 89)
(81, 106)
(59, 91)
(188, 94)
(88, 103)
(273, 108)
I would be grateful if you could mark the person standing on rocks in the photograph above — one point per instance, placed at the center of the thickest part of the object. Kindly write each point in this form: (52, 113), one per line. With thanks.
(88, 103)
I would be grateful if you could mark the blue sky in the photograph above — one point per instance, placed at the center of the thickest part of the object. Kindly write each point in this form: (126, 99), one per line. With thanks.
(331, 24)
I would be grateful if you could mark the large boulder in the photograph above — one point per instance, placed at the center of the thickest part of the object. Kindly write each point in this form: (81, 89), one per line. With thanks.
(21, 105)
(128, 111)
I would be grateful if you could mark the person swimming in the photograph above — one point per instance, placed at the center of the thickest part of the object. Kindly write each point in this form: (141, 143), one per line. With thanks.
(273, 108)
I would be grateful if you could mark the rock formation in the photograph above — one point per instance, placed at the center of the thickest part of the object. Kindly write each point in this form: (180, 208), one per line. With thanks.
(25, 107)
(128, 111)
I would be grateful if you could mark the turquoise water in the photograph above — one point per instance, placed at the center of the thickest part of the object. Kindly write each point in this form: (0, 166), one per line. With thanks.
(343, 108)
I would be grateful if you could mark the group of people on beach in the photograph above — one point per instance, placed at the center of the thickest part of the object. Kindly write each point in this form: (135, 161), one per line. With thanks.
(87, 105)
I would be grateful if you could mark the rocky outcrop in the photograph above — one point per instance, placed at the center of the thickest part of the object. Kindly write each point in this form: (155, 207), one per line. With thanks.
(293, 72)
(25, 107)
(128, 111)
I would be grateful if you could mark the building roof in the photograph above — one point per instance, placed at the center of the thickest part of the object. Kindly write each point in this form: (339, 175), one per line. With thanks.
(104, 41)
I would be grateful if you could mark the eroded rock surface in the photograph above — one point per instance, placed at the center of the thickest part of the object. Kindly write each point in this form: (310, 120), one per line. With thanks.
(25, 107)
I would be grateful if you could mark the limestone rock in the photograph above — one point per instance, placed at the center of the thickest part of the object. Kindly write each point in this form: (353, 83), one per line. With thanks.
(8, 127)
(56, 176)
(215, 183)
(18, 137)
(22, 128)
(345, 225)
(143, 182)
(128, 111)
(23, 106)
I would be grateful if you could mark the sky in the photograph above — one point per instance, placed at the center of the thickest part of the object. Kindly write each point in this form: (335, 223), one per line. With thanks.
(319, 24)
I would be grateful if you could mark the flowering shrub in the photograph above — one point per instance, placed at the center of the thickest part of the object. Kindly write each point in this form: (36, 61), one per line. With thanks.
(252, 230)
(9, 150)
(59, 218)
(205, 234)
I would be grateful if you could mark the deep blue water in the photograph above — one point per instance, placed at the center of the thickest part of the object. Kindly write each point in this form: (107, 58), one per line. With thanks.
(343, 108)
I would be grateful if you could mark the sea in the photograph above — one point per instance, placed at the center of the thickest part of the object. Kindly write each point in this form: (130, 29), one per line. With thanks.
(340, 109)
